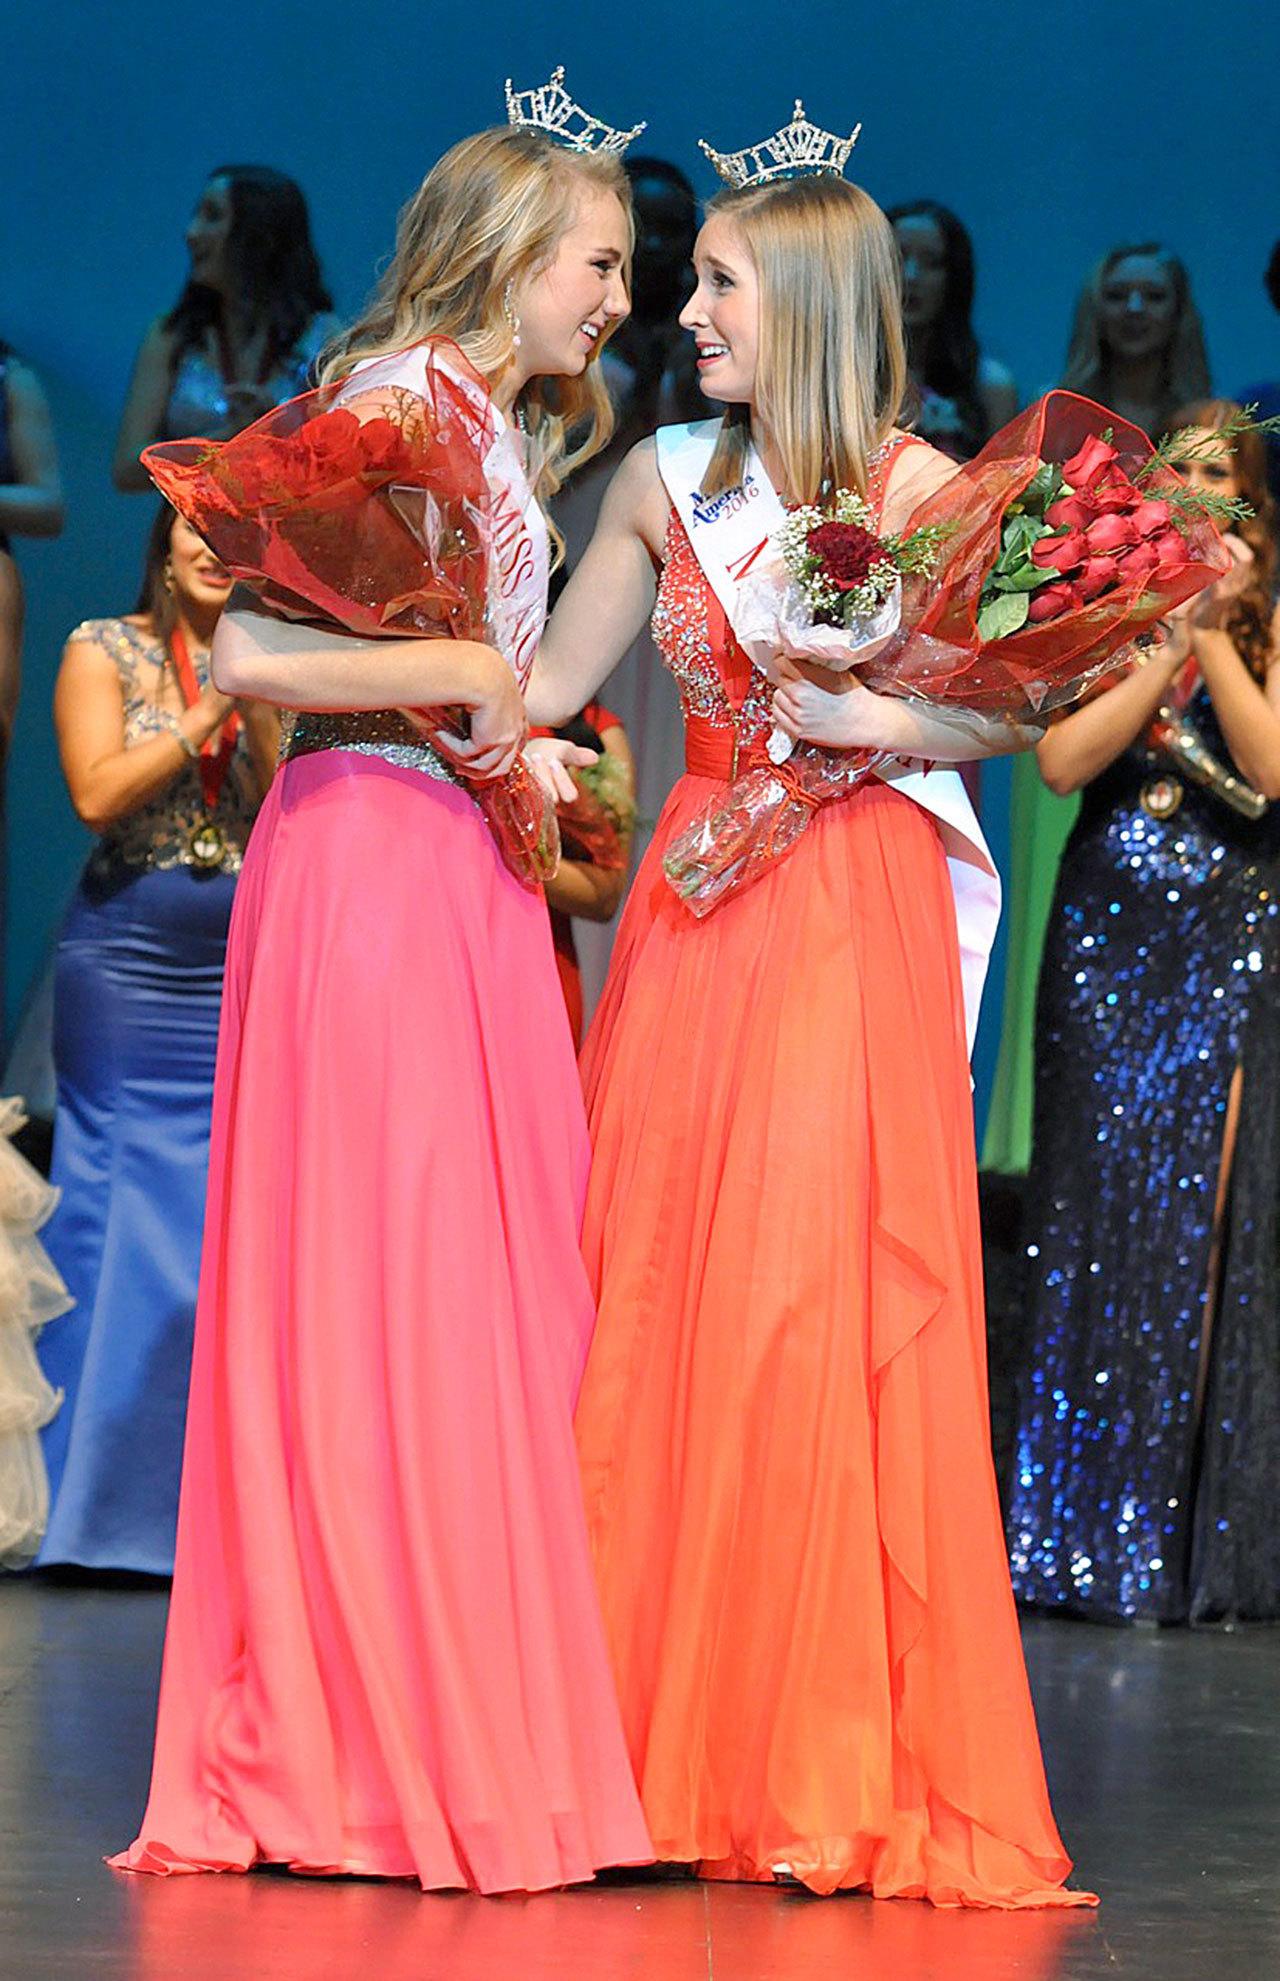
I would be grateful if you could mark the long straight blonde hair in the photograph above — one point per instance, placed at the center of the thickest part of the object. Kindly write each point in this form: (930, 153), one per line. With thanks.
(831, 365)
(492, 211)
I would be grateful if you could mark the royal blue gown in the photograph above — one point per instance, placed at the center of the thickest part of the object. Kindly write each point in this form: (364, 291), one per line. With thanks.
(138, 988)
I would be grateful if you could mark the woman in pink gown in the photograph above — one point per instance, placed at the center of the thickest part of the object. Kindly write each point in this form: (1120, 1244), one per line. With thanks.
(384, 1652)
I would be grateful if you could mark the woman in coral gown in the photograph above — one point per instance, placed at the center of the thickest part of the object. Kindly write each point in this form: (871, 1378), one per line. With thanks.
(384, 1653)
(783, 1427)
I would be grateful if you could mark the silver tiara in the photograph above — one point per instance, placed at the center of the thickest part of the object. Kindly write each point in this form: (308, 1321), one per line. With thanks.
(798, 148)
(553, 110)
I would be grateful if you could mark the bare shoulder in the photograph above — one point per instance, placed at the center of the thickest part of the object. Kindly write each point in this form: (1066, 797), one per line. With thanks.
(636, 501)
(915, 471)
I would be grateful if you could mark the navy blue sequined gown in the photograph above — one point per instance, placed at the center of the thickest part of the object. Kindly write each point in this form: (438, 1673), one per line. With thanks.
(1147, 1470)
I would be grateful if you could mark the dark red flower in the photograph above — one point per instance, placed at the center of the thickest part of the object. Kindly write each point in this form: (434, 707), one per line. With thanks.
(1114, 495)
(845, 552)
(1069, 512)
(1060, 553)
(1153, 516)
(1135, 563)
(1089, 463)
(1050, 602)
(1099, 574)
(1110, 533)
(1173, 554)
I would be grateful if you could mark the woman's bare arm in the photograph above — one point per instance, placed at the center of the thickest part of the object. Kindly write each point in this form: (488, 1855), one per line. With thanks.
(142, 420)
(32, 505)
(1249, 711)
(607, 602)
(1080, 746)
(302, 667)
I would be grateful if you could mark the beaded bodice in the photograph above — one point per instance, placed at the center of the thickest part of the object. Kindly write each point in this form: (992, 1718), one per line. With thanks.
(158, 832)
(377, 732)
(200, 401)
(717, 682)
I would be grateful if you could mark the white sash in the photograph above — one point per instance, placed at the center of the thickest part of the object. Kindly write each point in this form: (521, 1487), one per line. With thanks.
(517, 609)
(729, 533)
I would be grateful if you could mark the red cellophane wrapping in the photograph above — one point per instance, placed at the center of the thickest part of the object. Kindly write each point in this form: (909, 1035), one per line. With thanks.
(373, 517)
(937, 655)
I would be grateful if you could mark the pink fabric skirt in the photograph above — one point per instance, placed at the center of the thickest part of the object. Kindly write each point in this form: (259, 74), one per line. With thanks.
(384, 1653)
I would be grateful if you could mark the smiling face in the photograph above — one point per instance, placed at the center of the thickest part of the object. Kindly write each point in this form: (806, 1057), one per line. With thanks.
(208, 232)
(924, 269)
(565, 308)
(200, 583)
(724, 313)
(1139, 307)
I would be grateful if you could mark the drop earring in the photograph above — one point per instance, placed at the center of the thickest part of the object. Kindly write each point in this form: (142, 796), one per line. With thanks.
(509, 311)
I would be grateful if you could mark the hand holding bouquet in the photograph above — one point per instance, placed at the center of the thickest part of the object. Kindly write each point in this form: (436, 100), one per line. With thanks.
(1028, 575)
(378, 522)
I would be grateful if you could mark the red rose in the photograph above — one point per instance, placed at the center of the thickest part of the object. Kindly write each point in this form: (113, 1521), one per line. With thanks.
(1098, 575)
(1115, 495)
(1110, 533)
(845, 553)
(1135, 563)
(1172, 554)
(381, 447)
(1060, 553)
(1050, 602)
(1089, 463)
(1069, 513)
(331, 438)
(1152, 517)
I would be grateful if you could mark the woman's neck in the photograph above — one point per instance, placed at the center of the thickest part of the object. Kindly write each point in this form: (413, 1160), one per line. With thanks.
(1137, 382)
(197, 623)
(770, 458)
(506, 387)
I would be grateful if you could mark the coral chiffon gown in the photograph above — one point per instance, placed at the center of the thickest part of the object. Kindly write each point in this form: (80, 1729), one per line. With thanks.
(783, 1427)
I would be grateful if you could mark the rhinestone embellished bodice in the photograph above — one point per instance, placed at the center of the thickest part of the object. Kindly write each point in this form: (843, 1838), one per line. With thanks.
(157, 833)
(717, 682)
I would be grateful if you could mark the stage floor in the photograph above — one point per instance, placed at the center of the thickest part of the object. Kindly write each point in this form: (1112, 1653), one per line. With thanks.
(1164, 1756)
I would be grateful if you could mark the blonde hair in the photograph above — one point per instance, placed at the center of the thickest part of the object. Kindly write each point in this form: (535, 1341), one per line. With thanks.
(492, 211)
(1184, 364)
(831, 367)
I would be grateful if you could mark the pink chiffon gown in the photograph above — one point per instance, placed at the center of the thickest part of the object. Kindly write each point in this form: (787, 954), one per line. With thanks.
(384, 1652)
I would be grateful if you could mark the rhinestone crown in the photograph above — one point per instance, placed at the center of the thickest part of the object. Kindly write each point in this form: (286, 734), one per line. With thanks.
(553, 110)
(798, 148)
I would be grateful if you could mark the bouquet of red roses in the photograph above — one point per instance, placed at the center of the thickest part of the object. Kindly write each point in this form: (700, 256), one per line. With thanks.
(373, 517)
(1068, 537)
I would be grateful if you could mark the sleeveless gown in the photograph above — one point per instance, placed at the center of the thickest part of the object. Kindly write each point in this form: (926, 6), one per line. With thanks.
(1148, 1445)
(385, 1653)
(137, 993)
(783, 1428)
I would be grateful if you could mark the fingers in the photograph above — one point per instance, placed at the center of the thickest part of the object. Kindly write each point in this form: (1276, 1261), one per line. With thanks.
(554, 778)
(479, 757)
(788, 714)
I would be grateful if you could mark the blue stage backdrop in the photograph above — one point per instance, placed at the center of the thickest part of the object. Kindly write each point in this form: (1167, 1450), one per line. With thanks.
(1053, 133)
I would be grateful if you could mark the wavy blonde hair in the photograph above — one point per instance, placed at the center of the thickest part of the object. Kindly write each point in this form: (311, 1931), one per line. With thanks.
(831, 367)
(492, 211)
